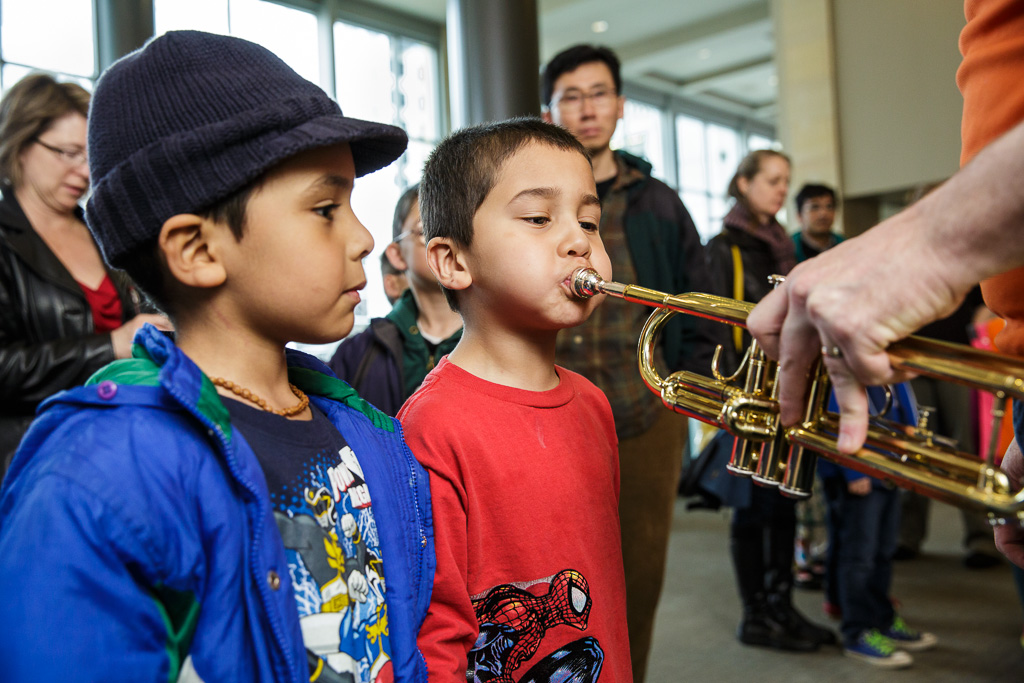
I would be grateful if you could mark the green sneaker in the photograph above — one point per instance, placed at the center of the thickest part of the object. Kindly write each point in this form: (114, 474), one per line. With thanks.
(877, 650)
(908, 638)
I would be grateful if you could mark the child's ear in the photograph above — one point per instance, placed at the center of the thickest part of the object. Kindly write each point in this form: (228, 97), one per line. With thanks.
(448, 263)
(187, 242)
(394, 255)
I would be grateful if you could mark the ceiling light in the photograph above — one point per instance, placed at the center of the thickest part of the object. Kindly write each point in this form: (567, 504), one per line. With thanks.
(599, 26)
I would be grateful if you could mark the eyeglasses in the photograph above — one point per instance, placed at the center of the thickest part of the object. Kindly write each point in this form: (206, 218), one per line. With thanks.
(572, 100)
(416, 231)
(71, 157)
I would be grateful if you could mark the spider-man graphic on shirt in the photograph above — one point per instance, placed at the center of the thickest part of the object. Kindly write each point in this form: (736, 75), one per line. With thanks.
(513, 622)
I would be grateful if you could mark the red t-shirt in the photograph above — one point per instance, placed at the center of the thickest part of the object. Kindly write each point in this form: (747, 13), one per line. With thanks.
(525, 489)
(105, 305)
(989, 77)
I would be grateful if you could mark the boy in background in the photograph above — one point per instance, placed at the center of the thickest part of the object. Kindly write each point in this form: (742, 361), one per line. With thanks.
(388, 360)
(815, 212)
(393, 279)
(863, 525)
(529, 584)
(143, 516)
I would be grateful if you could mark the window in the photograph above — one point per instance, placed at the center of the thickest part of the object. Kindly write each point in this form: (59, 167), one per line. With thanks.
(396, 82)
(198, 15)
(640, 133)
(761, 142)
(49, 37)
(707, 156)
(288, 32)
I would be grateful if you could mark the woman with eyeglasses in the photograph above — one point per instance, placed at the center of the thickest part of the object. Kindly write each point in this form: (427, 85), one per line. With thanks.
(63, 314)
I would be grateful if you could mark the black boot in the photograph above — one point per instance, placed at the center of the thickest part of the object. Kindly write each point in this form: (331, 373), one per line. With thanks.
(781, 542)
(781, 608)
(758, 626)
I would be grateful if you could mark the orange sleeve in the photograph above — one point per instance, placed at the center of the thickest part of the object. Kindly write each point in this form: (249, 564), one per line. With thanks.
(989, 77)
(992, 44)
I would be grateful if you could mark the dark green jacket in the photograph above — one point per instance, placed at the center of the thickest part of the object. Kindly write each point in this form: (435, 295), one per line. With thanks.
(668, 256)
(802, 251)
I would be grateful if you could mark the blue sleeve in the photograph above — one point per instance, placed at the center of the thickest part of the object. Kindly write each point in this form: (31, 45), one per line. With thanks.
(75, 600)
(852, 475)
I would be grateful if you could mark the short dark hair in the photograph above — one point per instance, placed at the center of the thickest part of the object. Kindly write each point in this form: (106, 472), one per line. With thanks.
(573, 58)
(145, 266)
(402, 209)
(462, 170)
(812, 190)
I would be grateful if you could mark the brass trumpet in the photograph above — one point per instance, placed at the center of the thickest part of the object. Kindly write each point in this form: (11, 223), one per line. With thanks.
(745, 404)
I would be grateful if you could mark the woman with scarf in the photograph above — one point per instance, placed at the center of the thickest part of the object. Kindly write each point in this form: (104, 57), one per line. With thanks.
(752, 246)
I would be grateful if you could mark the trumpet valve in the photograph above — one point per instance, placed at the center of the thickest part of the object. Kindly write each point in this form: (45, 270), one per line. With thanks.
(798, 477)
(924, 414)
(743, 461)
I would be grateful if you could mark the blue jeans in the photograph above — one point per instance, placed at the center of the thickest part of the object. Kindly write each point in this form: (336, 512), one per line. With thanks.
(867, 531)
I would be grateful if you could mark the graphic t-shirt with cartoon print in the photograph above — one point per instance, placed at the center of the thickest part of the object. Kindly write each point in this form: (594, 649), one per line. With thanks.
(324, 512)
(529, 586)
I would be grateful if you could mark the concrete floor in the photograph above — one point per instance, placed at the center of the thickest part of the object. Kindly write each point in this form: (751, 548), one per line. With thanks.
(975, 613)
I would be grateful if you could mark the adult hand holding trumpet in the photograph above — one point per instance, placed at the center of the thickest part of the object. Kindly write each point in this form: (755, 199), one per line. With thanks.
(872, 291)
(847, 306)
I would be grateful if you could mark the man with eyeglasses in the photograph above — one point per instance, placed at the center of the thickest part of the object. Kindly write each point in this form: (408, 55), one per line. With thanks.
(388, 360)
(652, 241)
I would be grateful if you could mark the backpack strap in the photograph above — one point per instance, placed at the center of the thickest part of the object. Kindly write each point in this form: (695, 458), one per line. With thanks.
(371, 355)
(737, 287)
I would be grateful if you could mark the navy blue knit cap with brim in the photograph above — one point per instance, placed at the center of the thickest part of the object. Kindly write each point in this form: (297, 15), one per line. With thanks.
(192, 117)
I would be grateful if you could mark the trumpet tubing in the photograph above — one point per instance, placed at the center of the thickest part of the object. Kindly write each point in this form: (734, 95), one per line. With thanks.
(746, 405)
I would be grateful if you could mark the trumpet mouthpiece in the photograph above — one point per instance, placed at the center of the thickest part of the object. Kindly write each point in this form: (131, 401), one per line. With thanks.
(585, 283)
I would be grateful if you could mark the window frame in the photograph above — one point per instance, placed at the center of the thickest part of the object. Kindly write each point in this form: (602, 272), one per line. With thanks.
(60, 75)
(672, 106)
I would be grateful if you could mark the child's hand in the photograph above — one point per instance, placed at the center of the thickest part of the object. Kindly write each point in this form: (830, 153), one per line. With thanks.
(859, 487)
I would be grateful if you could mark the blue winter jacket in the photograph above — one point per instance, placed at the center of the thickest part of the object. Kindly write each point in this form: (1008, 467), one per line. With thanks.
(137, 540)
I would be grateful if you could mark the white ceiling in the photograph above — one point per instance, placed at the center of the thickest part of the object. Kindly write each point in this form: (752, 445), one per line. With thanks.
(719, 52)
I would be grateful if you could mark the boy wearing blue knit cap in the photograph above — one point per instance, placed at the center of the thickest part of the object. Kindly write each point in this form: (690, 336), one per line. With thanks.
(163, 522)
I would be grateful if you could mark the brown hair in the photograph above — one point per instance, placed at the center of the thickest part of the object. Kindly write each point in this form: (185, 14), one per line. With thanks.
(749, 167)
(28, 109)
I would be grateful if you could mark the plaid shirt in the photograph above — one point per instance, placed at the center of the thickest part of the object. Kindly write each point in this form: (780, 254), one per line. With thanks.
(604, 348)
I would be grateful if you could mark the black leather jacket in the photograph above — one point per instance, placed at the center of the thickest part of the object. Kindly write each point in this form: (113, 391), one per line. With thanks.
(47, 342)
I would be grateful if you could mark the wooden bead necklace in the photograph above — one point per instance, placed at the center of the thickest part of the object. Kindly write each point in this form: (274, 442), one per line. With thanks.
(253, 398)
